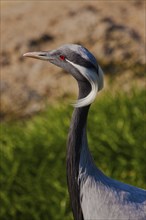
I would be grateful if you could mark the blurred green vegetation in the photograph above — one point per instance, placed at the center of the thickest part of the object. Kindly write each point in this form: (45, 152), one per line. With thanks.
(33, 176)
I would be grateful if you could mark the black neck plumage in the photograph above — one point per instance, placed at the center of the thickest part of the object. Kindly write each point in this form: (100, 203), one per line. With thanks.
(74, 146)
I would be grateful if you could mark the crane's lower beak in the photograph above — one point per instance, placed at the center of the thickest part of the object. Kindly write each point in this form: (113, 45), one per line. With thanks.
(39, 55)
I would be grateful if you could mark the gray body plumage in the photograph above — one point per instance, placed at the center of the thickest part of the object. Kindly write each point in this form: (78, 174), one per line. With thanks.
(93, 195)
(103, 198)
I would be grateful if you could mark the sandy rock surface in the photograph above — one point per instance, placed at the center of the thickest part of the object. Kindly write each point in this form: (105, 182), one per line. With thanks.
(113, 30)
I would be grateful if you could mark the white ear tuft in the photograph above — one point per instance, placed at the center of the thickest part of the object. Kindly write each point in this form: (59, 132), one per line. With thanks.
(95, 80)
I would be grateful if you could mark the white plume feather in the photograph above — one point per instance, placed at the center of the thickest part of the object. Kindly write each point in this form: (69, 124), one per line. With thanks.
(95, 80)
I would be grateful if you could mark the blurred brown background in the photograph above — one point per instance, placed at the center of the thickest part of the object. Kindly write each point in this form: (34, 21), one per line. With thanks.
(113, 30)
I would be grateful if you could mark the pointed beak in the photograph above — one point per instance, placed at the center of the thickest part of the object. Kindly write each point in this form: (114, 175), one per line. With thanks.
(39, 55)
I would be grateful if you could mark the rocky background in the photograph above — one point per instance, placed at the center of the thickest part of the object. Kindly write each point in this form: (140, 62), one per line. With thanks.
(113, 30)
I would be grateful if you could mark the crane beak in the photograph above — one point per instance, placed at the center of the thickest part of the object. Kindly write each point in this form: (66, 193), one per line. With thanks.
(39, 55)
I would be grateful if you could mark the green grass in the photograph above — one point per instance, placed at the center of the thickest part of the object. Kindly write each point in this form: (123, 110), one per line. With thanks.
(33, 176)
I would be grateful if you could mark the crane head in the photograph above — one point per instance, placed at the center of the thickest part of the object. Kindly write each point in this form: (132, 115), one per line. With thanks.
(78, 61)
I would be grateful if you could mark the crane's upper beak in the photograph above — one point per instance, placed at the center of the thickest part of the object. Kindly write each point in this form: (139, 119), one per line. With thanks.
(45, 55)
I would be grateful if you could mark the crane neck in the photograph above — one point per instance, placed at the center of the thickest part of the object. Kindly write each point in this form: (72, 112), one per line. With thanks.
(76, 137)
(77, 132)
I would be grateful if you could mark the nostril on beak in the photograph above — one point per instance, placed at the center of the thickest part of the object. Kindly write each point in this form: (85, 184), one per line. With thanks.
(43, 55)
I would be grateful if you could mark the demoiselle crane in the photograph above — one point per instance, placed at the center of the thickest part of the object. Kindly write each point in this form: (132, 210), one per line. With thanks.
(93, 195)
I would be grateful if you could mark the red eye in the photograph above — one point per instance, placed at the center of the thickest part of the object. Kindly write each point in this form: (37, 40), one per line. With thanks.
(62, 57)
